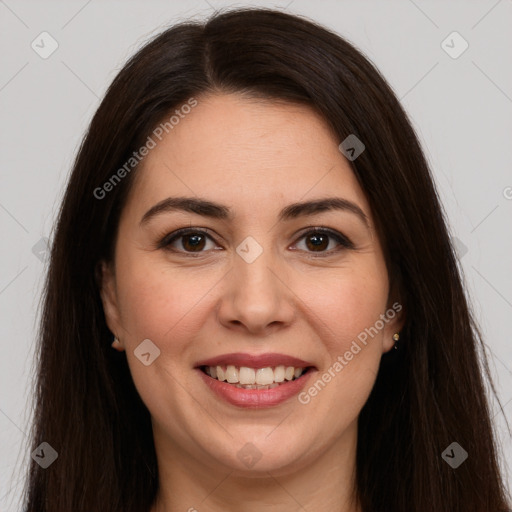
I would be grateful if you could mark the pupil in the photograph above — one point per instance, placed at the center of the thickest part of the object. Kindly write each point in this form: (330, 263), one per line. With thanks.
(193, 241)
(318, 241)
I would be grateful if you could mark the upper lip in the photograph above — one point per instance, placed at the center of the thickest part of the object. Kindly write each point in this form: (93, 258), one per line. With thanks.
(255, 361)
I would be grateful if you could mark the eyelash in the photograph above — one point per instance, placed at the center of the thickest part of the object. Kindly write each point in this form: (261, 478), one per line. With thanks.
(344, 242)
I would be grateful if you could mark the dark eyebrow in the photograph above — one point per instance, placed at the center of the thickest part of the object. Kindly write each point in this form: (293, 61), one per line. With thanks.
(188, 204)
(218, 211)
(322, 205)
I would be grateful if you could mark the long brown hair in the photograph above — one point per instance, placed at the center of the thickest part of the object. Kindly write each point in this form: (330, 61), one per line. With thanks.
(428, 394)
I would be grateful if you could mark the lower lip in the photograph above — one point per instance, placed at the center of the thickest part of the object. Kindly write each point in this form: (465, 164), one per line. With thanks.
(255, 398)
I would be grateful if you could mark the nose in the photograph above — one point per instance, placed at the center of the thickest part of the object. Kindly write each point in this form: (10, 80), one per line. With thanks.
(256, 298)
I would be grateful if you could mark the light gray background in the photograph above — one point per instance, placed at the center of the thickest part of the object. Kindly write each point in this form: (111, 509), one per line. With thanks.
(461, 109)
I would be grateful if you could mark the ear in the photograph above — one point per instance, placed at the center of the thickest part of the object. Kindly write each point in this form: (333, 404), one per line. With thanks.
(394, 317)
(105, 277)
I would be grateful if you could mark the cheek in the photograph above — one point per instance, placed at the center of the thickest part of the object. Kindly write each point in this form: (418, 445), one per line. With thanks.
(347, 308)
(167, 308)
(347, 303)
(350, 307)
(159, 303)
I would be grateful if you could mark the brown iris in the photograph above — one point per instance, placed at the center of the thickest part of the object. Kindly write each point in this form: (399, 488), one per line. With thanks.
(193, 242)
(318, 241)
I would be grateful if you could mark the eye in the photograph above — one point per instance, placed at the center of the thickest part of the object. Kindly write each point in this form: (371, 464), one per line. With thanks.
(194, 241)
(324, 241)
(187, 240)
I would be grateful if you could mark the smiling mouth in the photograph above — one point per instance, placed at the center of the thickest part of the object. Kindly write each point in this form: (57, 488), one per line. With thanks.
(255, 378)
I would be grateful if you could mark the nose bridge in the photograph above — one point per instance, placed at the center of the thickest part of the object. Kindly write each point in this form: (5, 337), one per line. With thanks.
(255, 296)
(255, 282)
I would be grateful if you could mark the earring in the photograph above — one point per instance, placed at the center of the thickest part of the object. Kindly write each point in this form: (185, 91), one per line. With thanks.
(396, 337)
(116, 343)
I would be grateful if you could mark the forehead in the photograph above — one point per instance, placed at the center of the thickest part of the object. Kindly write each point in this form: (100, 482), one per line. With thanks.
(242, 151)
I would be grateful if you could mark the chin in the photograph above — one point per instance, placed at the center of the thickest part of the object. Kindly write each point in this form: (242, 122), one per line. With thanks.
(256, 456)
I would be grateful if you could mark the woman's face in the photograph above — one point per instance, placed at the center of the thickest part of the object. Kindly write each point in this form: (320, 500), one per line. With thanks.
(255, 281)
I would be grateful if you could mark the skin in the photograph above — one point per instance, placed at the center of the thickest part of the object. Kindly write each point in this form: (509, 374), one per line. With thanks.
(255, 157)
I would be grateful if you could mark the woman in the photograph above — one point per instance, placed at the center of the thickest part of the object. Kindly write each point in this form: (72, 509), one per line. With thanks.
(252, 226)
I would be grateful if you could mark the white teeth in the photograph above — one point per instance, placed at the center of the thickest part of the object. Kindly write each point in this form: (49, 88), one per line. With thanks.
(264, 376)
(247, 375)
(220, 374)
(254, 378)
(279, 374)
(254, 386)
(231, 374)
